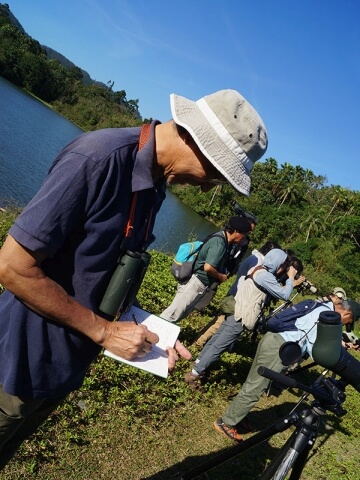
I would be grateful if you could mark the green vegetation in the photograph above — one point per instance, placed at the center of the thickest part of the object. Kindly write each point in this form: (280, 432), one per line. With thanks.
(125, 424)
(320, 223)
(295, 206)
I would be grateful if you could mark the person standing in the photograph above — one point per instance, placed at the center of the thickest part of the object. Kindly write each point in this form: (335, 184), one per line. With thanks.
(267, 354)
(61, 252)
(238, 252)
(251, 293)
(256, 258)
(209, 268)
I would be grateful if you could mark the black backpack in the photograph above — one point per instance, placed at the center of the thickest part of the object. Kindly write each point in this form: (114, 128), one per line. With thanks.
(285, 320)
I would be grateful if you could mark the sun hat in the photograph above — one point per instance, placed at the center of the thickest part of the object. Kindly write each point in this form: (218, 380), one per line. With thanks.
(240, 224)
(227, 130)
(339, 292)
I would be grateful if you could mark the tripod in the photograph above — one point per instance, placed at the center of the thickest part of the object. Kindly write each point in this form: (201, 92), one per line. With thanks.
(328, 395)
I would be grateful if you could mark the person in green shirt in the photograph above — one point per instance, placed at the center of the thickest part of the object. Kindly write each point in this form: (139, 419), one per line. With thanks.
(209, 268)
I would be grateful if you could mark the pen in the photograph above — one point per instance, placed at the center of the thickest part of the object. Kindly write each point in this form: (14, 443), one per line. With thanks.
(134, 319)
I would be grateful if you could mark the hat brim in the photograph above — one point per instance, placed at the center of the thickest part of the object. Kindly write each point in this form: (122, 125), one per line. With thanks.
(339, 292)
(188, 115)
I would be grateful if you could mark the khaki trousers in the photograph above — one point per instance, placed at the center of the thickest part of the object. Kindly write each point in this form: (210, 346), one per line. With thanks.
(209, 330)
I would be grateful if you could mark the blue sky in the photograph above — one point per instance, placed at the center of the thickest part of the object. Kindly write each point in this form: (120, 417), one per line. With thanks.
(297, 63)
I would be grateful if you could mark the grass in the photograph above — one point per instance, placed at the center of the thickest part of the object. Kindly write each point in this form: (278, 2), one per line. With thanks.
(125, 424)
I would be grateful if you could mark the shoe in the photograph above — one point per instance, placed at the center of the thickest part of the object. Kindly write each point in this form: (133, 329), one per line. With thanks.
(192, 380)
(230, 432)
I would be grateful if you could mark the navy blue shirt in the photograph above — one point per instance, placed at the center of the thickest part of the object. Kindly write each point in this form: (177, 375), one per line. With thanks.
(77, 219)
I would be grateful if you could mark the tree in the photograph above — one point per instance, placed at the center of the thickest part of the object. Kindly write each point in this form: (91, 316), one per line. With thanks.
(290, 185)
(313, 224)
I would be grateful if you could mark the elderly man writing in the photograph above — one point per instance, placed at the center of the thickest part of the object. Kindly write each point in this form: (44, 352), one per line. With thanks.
(62, 250)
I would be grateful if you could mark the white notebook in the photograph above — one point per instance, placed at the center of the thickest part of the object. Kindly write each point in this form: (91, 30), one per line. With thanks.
(156, 361)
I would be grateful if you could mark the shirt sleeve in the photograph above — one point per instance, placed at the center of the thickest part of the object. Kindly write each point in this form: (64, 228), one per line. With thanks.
(216, 252)
(60, 205)
(268, 281)
(306, 331)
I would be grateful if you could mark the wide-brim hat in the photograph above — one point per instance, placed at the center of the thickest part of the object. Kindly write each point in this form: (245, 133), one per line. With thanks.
(227, 130)
(339, 292)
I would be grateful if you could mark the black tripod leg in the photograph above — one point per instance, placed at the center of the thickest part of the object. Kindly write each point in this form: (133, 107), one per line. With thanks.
(299, 464)
(292, 457)
(279, 426)
(277, 460)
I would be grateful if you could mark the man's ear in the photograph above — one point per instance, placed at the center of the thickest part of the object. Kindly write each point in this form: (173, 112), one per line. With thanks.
(347, 317)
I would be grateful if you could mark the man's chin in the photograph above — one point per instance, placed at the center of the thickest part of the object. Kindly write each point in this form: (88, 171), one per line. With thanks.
(206, 187)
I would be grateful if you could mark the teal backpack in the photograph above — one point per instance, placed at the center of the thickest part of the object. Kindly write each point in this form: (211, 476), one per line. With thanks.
(183, 263)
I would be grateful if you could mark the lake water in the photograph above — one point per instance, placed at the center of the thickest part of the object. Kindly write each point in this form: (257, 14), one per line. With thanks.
(31, 134)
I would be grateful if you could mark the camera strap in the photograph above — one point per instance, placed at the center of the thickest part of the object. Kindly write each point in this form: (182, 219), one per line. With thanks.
(144, 137)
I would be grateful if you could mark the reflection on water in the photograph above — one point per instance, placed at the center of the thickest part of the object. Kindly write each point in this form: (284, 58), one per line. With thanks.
(31, 134)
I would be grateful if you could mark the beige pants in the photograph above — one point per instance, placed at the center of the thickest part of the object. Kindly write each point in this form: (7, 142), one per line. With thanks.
(209, 330)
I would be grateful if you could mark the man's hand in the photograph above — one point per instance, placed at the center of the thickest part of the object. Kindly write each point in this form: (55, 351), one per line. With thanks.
(127, 340)
(299, 281)
(213, 272)
(174, 353)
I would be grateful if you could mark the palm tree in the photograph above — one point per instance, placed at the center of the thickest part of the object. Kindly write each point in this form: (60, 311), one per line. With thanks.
(312, 224)
(339, 197)
(291, 184)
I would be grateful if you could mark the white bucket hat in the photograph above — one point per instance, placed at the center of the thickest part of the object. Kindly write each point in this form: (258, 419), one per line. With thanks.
(227, 130)
(339, 292)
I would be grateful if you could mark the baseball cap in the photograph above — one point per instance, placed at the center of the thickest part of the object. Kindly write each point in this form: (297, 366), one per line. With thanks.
(240, 224)
(355, 308)
(227, 130)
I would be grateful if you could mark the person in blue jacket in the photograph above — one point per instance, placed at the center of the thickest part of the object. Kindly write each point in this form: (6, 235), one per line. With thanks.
(275, 263)
(233, 421)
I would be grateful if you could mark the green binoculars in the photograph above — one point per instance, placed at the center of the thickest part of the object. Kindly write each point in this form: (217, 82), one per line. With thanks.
(125, 282)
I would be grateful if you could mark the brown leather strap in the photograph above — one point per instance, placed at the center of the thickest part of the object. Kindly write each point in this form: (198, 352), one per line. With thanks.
(129, 225)
(144, 137)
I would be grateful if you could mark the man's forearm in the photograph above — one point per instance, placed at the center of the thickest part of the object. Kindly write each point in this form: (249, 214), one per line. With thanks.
(21, 274)
(213, 272)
